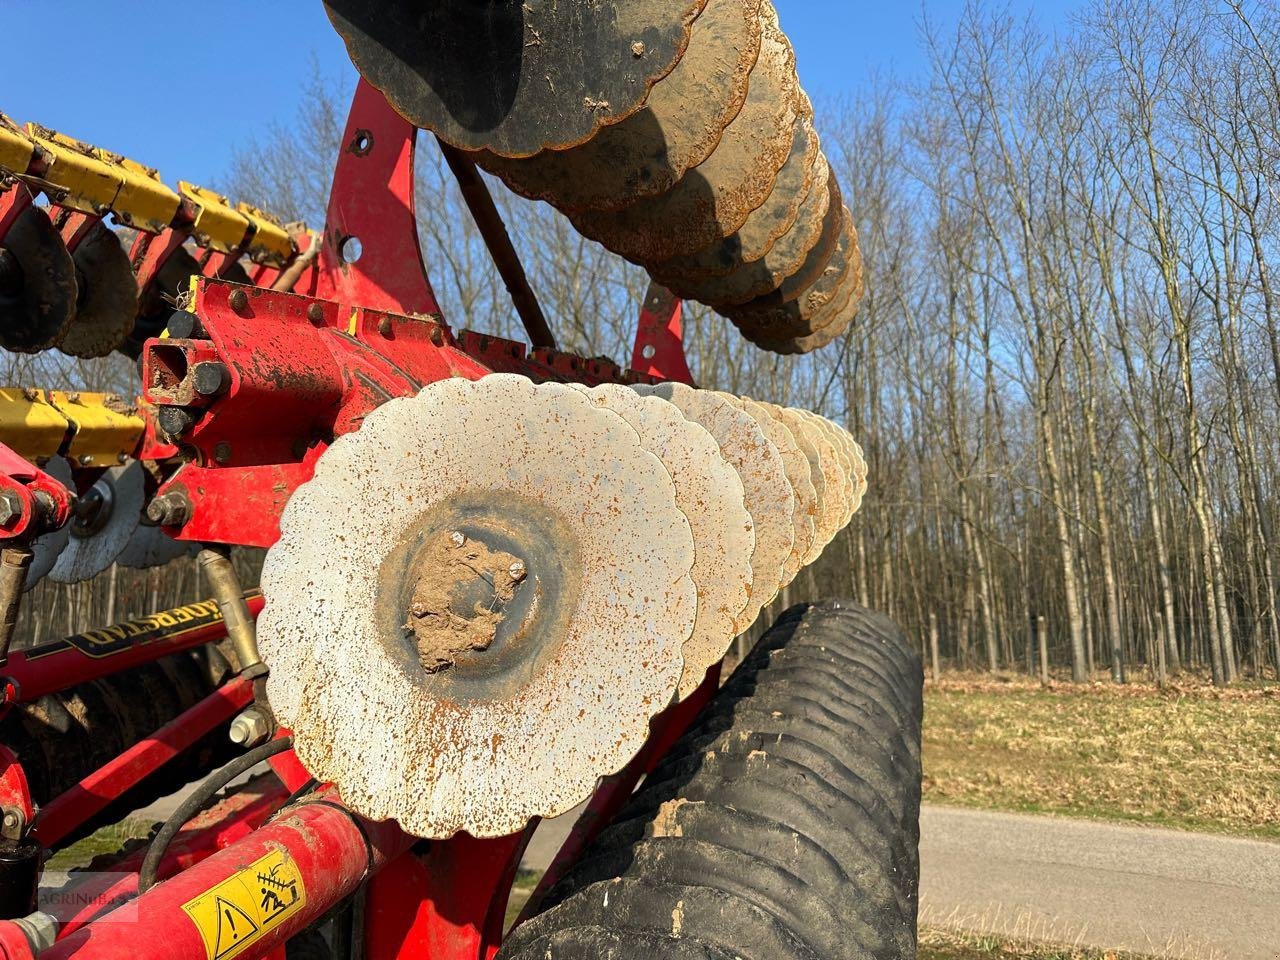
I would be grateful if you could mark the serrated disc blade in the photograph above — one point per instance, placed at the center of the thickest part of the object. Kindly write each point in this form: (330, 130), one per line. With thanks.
(107, 298)
(829, 485)
(796, 261)
(796, 469)
(715, 198)
(767, 494)
(514, 78)
(417, 672)
(767, 322)
(96, 541)
(677, 128)
(710, 493)
(830, 322)
(152, 547)
(755, 238)
(49, 546)
(41, 306)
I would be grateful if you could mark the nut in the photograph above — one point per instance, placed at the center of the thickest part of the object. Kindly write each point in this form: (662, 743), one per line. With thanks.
(10, 507)
(458, 538)
(518, 571)
(171, 509)
(239, 300)
(250, 728)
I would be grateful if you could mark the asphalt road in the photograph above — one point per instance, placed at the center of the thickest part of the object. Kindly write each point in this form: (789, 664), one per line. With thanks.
(1160, 892)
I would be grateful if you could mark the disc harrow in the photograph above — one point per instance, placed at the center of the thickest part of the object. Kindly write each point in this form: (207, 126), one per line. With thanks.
(500, 577)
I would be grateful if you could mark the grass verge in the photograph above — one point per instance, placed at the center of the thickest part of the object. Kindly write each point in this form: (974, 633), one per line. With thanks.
(946, 945)
(1192, 759)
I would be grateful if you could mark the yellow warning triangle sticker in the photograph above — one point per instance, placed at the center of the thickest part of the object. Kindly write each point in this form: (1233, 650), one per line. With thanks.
(248, 905)
(234, 927)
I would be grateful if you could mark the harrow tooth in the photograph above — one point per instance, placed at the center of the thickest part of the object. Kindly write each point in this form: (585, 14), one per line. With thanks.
(104, 522)
(714, 199)
(519, 575)
(107, 298)
(798, 256)
(47, 547)
(710, 494)
(680, 124)
(511, 78)
(796, 467)
(755, 238)
(37, 280)
(767, 494)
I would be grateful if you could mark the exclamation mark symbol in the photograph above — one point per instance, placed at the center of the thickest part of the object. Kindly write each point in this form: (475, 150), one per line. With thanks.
(235, 934)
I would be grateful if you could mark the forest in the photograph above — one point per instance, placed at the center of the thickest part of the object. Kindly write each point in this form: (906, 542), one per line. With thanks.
(1065, 373)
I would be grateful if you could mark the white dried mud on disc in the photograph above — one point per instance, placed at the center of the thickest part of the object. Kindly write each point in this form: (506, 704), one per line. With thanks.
(678, 127)
(94, 544)
(47, 547)
(857, 466)
(525, 725)
(829, 506)
(796, 466)
(767, 494)
(714, 199)
(755, 238)
(837, 467)
(710, 493)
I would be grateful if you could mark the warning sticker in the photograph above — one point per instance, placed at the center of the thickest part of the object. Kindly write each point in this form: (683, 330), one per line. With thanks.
(247, 905)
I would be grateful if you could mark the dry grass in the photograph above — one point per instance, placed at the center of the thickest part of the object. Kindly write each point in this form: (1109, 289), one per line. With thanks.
(1192, 758)
(947, 945)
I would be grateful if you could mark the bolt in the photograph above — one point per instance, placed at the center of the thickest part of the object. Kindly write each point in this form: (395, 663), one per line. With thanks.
(73, 397)
(31, 394)
(384, 326)
(239, 300)
(175, 421)
(86, 459)
(250, 728)
(184, 325)
(315, 313)
(637, 49)
(437, 336)
(170, 509)
(11, 821)
(222, 452)
(458, 538)
(10, 507)
(211, 378)
(518, 571)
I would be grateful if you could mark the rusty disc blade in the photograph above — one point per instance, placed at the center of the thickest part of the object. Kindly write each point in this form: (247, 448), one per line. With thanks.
(790, 259)
(710, 493)
(514, 78)
(768, 497)
(853, 469)
(514, 583)
(831, 321)
(104, 522)
(796, 468)
(37, 286)
(677, 128)
(767, 316)
(715, 198)
(764, 226)
(829, 490)
(47, 547)
(107, 302)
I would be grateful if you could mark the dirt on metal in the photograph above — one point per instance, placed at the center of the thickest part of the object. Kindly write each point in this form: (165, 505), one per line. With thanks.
(443, 625)
(678, 127)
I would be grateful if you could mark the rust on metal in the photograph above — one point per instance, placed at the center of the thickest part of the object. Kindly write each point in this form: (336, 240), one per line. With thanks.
(678, 127)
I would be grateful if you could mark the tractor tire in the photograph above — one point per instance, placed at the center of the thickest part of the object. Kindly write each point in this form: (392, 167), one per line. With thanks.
(784, 824)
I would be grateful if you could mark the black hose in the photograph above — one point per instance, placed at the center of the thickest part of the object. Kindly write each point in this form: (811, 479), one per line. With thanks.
(197, 801)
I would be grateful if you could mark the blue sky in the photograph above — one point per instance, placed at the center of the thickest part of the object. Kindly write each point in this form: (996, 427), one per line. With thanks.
(175, 84)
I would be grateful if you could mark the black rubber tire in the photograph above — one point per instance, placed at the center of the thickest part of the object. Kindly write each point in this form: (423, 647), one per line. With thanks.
(783, 824)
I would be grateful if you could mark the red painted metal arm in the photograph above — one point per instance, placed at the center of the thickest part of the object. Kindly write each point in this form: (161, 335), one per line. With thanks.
(98, 790)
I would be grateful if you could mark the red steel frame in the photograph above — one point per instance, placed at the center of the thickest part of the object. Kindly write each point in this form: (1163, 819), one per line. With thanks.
(303, 368)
